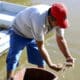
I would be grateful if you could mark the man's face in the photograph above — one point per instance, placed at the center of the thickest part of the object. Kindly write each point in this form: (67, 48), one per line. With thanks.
(52, 21)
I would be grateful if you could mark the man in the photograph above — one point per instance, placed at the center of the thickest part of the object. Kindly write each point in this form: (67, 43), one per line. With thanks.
(29, 29)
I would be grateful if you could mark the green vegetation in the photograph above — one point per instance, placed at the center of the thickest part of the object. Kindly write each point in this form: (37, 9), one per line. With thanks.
(22, 2)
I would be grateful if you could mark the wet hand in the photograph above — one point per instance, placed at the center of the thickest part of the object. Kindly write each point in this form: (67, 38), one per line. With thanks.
(56, 67)
(70, 62)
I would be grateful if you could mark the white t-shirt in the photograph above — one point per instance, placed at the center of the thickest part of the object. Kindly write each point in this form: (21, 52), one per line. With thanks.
(31, 22)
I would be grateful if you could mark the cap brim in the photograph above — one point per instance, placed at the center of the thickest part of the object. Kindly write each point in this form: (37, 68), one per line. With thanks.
(64, 23)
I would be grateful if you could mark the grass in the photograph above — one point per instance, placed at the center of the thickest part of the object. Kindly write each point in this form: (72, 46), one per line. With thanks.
(22, 2)
(55, 54)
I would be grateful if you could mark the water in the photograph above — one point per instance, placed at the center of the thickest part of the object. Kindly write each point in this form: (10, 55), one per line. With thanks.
(72, 33)
(72, 37)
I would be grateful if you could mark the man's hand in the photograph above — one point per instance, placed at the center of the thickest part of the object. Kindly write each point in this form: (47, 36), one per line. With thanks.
(56, 67)
(70, 62)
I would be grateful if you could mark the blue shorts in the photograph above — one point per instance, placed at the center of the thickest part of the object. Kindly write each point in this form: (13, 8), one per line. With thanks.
(17, 44)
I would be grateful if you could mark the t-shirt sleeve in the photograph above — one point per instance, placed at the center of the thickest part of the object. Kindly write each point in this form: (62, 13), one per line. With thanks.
(37, 29)
(60, 31)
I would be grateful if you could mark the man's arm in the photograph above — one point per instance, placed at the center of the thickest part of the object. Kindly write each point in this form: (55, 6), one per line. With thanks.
(64, 48)
(46, 56)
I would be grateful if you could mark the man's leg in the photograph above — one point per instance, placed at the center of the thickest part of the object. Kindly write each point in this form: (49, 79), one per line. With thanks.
(16, 47)
(10, 75)
(34, 56)
(12, 63)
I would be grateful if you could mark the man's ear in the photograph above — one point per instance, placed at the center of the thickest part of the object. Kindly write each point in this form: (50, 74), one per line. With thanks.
(52, 18)
(49, 18)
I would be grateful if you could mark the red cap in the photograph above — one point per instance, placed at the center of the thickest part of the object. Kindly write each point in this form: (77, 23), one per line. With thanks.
(59, 11)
